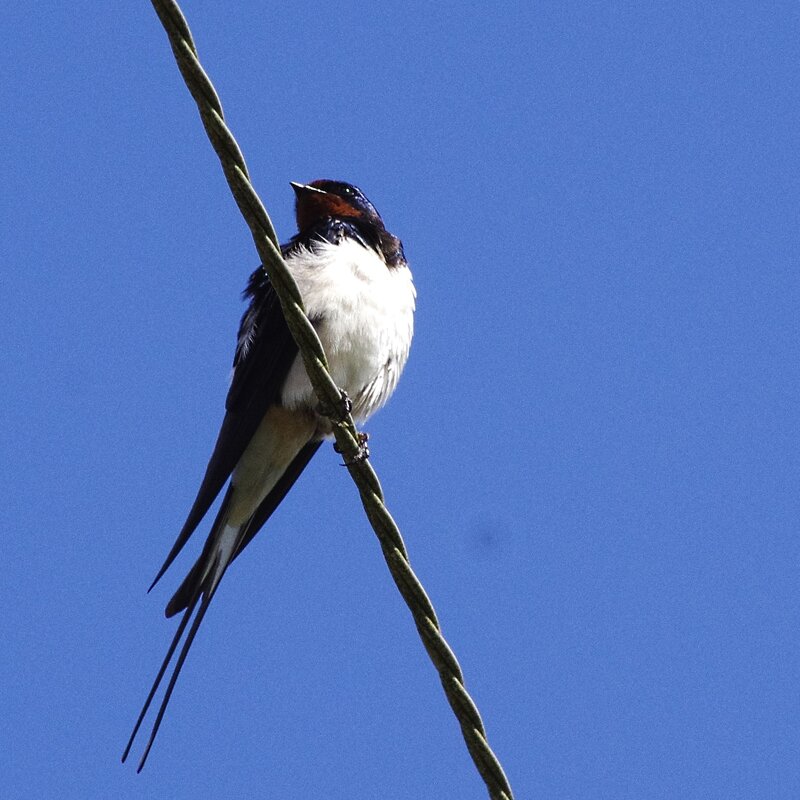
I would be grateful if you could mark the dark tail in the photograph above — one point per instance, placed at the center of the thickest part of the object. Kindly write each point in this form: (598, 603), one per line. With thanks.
(200, 585)
(205, 577)
(206, 601)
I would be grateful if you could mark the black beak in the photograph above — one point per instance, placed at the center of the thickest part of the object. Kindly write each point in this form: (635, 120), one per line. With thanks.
(303, 188)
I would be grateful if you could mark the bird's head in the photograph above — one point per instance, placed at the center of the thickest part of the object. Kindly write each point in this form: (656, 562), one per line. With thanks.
(323, 199)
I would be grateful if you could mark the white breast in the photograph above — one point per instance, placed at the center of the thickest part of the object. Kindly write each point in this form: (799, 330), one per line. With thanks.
(363, 312)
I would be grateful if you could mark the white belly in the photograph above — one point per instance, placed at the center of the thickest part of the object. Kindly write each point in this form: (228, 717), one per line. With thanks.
(364, 315)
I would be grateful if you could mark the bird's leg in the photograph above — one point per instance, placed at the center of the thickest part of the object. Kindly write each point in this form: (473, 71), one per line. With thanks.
(339, 411)
(362, 437)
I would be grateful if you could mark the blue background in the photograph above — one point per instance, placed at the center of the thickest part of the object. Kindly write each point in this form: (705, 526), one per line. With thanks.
(593, 453)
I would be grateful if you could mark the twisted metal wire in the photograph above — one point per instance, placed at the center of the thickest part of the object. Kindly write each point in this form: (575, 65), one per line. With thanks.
(331, 397)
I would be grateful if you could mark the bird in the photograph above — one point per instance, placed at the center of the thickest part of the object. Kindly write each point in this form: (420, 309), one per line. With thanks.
(359, 295)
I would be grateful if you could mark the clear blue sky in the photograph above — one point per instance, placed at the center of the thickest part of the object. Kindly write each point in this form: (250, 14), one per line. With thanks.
(594, 452)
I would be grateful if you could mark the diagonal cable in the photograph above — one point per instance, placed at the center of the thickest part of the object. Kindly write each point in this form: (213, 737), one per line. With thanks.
(331, 397)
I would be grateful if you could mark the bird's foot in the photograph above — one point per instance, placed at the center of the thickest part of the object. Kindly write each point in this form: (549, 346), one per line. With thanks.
(340, 410)
(363, 451)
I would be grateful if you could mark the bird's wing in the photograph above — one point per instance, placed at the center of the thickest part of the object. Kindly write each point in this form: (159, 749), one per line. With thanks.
(197, 578)
(264, 354)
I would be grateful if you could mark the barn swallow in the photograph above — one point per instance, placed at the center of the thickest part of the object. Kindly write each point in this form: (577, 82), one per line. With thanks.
(359, 295)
